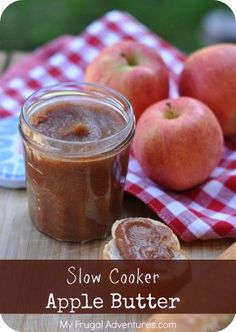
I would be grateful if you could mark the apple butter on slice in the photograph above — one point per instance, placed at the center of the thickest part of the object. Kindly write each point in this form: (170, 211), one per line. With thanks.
(142, 238)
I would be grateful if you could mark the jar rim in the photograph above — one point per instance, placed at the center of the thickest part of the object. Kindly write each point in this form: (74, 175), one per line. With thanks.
(76, 88)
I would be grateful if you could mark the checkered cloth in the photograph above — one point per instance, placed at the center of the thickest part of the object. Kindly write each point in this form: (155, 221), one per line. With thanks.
(206, 212)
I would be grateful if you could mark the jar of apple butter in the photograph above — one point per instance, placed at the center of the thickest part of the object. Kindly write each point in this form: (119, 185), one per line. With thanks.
(76, 139)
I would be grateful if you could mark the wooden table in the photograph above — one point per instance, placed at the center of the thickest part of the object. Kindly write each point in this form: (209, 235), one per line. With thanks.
(20, 240)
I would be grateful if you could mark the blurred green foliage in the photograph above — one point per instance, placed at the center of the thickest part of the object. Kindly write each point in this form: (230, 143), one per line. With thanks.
(28, 24)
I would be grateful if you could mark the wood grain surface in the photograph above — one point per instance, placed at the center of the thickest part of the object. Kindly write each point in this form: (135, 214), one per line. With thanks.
(3, 58)
(19, 239)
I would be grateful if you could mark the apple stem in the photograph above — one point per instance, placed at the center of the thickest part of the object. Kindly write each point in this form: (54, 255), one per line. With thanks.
(170, 113)
(130, 60)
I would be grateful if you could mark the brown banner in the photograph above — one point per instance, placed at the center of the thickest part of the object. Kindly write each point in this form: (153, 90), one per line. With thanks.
(68, 286)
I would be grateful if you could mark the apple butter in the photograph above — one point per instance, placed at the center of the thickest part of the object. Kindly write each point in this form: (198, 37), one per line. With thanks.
(141, 239)
(76, 139)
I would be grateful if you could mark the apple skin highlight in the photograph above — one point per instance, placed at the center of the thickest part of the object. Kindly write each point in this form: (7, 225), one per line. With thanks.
(178, 142)
(133, 69)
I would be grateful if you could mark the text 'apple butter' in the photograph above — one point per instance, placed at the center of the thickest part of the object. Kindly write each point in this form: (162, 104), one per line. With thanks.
(76, 140)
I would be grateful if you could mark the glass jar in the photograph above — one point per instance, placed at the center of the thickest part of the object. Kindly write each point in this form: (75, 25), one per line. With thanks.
(75, 188)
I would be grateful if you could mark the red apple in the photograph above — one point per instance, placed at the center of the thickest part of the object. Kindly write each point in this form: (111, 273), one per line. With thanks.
(135, 70)
(210, 76)
(178, 142)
